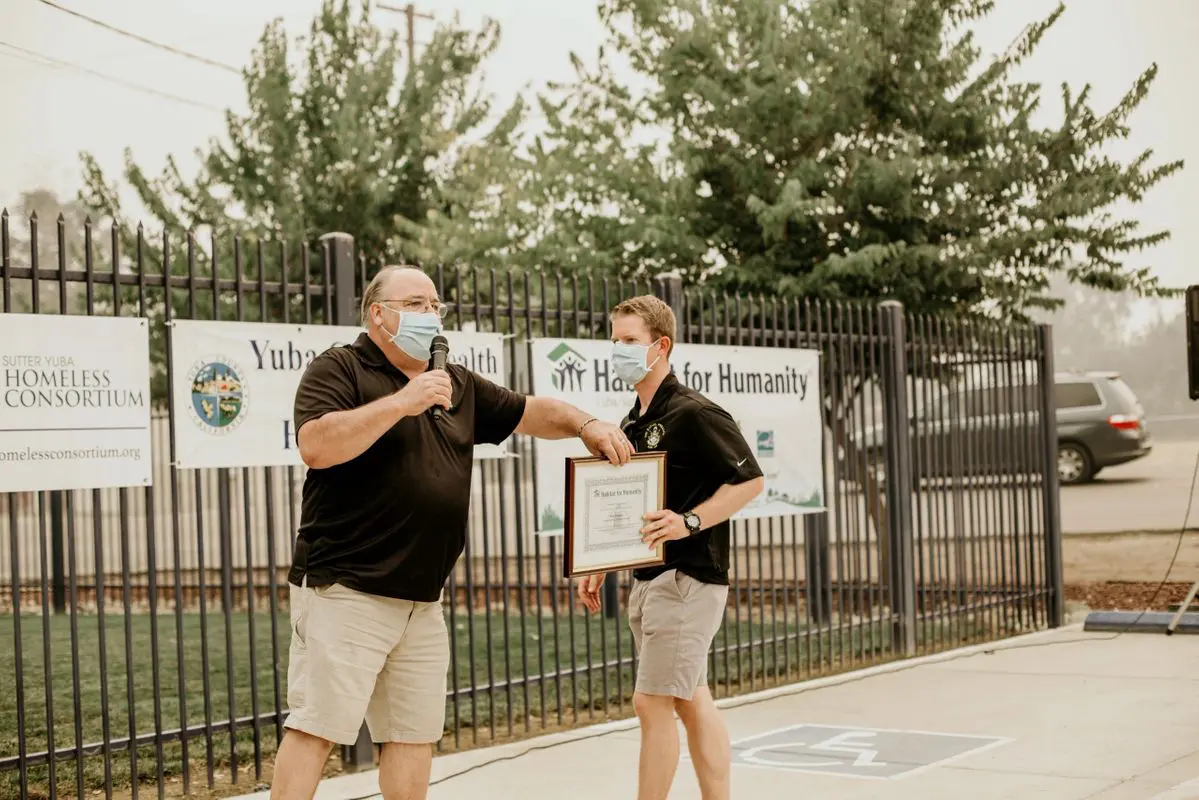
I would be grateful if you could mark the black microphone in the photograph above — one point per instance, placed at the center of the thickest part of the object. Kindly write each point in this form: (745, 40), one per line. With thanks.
(439, 349)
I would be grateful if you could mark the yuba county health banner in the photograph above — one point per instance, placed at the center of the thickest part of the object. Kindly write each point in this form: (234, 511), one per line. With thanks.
(74, 402)
(234, 386)
(772, 393)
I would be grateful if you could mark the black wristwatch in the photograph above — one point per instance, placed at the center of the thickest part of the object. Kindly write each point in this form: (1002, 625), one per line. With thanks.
(691, 520)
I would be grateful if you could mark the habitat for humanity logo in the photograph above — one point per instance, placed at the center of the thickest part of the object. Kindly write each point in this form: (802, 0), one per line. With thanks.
(569, 368)
(219, 398)
(765, 443)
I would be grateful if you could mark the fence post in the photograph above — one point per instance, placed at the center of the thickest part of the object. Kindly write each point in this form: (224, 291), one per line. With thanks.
(225, 532)
(361, 754)
(58, 574)
(669, 288)
(1049, 497)
(898, 476)
(816, 567)
(817, 541)
(341, 263)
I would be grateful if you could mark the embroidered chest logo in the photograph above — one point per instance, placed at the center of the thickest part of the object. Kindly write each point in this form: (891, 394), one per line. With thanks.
(653, 435)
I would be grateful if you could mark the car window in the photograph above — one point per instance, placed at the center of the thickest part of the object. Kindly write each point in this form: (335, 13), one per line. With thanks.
(1016, 399)
(1125, 397)
(997, 400)
(1078, 394)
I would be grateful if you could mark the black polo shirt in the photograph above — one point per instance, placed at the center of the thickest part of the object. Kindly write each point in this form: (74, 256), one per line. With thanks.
(704, 451)
(393, 521)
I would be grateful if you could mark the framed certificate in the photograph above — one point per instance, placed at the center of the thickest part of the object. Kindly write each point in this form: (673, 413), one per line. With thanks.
(605, 506)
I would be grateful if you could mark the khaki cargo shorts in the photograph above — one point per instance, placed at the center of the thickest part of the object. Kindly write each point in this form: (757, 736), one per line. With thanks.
(358, 656)
(674, 619)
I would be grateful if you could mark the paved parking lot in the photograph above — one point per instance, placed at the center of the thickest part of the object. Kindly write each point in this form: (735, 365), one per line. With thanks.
(1147, 495)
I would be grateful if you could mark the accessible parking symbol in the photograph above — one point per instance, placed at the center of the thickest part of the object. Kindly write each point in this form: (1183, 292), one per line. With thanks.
(854, 752)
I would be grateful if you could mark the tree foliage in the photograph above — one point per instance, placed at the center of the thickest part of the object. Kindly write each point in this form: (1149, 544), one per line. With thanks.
(838, 149)
(339, 136)
(35, 223)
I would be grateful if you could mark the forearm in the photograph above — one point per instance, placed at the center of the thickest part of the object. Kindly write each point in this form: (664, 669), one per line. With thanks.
(340, 436)
(727, 501)
(547, 418)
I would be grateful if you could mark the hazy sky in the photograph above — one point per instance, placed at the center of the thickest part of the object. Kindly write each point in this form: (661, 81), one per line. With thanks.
(51, 114)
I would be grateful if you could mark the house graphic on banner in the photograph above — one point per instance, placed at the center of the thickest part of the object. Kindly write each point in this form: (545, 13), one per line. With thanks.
(569, 368)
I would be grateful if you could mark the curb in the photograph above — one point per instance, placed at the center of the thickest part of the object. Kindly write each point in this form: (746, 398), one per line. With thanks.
(1113, 535)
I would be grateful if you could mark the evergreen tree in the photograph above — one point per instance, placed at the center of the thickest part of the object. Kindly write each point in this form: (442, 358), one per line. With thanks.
(838, 149)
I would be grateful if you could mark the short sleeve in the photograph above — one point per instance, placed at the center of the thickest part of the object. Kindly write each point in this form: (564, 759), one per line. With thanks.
(326, 386)
(722, 446)
(497, 411)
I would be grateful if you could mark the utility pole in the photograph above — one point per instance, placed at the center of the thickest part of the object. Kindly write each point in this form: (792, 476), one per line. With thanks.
(411, 15)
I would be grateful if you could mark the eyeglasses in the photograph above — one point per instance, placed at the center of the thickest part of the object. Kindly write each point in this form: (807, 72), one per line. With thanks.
(418, 305)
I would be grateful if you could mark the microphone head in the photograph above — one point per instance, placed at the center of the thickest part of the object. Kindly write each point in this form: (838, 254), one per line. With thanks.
(440, 344)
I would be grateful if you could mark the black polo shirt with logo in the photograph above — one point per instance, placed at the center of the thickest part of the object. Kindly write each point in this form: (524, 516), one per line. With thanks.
(393, 521)
(704, 451)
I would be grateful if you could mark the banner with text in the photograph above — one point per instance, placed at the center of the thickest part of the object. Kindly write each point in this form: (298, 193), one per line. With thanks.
(772, 393)
(234, 386)
(74, 402)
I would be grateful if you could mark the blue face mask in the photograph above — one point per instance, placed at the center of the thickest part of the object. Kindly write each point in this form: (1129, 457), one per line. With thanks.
(628, 362)
(415, 333)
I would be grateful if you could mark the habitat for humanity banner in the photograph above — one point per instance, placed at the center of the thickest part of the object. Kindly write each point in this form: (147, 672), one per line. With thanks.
(772, 393)
(234, 386)
(74, 402)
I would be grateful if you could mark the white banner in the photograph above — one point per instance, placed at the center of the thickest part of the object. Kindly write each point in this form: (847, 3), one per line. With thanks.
(74, 402)
(772, 393)
(234, 386)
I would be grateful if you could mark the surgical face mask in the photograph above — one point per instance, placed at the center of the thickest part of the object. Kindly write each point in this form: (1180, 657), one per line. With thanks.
(415, 334)
(628, 362)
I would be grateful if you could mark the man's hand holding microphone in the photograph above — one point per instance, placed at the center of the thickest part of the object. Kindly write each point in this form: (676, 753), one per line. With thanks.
(432, 388)
(428, 390)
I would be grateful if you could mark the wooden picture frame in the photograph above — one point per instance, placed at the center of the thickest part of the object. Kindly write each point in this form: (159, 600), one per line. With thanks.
(604, 509)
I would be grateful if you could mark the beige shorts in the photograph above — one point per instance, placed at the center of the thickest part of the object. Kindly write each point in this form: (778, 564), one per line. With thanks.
(358, 656)
(674, 619)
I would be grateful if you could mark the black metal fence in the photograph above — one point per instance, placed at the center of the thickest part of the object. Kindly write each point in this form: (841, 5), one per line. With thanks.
(149, 627)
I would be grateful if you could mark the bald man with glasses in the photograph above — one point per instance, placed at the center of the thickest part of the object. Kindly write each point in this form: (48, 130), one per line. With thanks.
(383, 522)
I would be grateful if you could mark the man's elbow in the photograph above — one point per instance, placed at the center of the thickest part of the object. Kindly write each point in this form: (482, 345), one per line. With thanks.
(313, 456)
(754, 487)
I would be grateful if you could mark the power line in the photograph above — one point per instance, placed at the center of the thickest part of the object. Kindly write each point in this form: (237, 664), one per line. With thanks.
(152, 43)
(50, 61)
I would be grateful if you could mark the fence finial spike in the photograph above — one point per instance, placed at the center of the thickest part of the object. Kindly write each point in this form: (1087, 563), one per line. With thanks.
(141, 226)
(4, 213)
(33, 216)
(62, 218)
(87, 221)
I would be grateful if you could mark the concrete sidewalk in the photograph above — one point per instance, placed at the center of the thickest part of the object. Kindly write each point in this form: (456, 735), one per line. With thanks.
(1063, 715)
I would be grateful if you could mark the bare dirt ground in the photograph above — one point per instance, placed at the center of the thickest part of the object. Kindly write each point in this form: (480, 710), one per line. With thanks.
(1127, 595)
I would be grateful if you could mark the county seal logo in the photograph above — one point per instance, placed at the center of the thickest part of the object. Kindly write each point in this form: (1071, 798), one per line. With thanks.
(219, 399)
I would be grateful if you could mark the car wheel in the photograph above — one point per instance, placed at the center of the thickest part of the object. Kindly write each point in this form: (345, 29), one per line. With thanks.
(1073, 464)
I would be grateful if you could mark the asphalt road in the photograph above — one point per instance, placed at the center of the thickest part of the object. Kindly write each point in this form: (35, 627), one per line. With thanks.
(1150, 494)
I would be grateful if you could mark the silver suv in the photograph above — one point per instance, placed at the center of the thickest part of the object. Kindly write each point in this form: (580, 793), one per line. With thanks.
(1100, 424)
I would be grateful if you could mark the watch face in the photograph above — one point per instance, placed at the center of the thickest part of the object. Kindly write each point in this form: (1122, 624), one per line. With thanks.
(692, 522)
